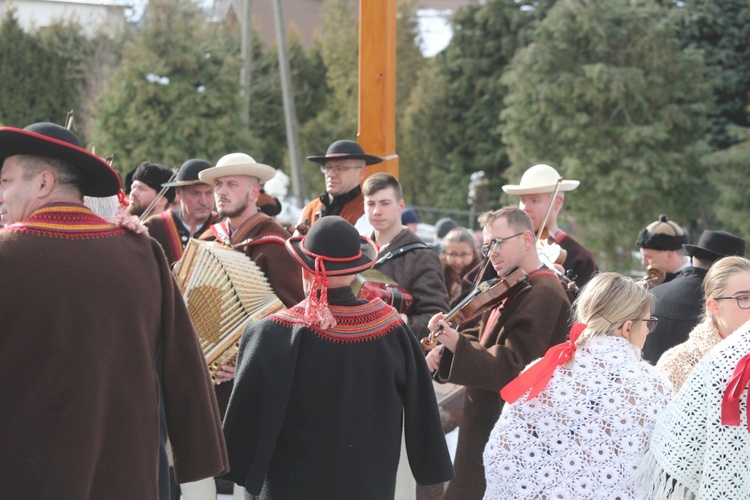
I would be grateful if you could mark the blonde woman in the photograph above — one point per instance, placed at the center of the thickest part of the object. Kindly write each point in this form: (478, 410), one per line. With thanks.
(727, 298)
(578, 420)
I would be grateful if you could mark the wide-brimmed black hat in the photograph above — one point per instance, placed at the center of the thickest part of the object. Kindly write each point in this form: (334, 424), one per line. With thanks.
(55, 141)
(713, 245)
(337, 244)
(662, 234)
(187, 175)
(346, 150)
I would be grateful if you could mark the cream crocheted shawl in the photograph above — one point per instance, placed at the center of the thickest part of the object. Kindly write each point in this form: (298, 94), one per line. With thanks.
(677, 363)
(583, 435)
(691, 453)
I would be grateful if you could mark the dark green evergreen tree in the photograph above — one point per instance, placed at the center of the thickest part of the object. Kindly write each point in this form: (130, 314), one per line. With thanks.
(37, 81)
(459, 124)
(606, 94)
(721, 30)
(175, 95)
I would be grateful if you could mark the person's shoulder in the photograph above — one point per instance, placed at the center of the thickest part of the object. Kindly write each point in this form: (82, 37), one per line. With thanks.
(315, 202)
(270, 225)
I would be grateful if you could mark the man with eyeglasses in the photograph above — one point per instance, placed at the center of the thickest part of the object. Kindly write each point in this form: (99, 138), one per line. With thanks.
(509, 336)
(679, 303)
(345, 167)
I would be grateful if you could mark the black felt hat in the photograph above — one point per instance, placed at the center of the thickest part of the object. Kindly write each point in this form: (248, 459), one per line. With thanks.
(54, 141)
(154, 176)
(337, 244)
(662, 234)
(713, 245)
(187, 175)
(346, 150)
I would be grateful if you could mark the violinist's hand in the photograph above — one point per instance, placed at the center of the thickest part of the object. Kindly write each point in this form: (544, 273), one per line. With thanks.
(433, 358)
(449, 336)
(560, 269)
(225, 373)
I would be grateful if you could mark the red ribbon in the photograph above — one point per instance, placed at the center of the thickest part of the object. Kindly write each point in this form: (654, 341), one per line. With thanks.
(730, 403)
(538, 376)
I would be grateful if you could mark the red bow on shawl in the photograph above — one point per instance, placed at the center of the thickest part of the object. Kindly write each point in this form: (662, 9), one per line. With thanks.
(730, 403)
(538, 376)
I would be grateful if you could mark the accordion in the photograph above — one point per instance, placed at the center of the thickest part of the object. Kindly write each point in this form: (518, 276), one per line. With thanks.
(224, 290)
(373, 284)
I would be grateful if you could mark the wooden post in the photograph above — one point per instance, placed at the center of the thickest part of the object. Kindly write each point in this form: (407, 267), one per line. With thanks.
(377, 82)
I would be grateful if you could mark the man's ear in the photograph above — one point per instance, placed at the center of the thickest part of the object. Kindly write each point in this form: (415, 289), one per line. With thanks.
(362, 174)
(558, 203)
(45, 183)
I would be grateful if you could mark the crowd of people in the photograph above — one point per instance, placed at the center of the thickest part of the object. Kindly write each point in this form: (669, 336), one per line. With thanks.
(578, 383)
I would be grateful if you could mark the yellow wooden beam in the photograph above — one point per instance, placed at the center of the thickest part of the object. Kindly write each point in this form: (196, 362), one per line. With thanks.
(377, 82)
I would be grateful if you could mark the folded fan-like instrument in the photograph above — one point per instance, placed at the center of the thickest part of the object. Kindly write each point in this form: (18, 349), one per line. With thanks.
(224, 290)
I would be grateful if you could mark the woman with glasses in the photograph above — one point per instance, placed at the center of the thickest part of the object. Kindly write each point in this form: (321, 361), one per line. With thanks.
(727, 307)
(458, 255)
(577, 421)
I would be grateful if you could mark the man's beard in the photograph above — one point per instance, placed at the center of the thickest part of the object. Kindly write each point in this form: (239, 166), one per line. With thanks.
(136, 210)
(228, 213)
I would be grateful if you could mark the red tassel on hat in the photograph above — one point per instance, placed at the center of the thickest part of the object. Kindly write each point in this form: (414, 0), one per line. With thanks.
(317, 311)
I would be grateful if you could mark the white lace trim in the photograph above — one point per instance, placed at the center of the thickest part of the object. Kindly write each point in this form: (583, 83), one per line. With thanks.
(690, 449)
(583, 435)
(677, 363)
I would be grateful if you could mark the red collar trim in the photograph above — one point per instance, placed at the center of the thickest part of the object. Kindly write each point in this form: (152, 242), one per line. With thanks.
(66, 220)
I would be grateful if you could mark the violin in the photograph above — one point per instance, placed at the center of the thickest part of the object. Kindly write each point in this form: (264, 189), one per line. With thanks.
(654, 276)
(486, 295)
(549, 251)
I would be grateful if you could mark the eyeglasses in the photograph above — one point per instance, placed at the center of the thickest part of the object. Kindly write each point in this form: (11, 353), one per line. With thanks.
(650, 323)
(495, 244)
(743, 301)
(337, 169)
(457, 255)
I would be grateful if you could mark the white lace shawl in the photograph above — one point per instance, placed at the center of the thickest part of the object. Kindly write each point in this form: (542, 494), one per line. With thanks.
(583, 435)
(690, 450)
(677, 363)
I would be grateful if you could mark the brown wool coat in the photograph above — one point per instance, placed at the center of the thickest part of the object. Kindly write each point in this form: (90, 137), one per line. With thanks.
(421, 274)
(82, 323)
(159, 230)
(536, 320)
(352, 211)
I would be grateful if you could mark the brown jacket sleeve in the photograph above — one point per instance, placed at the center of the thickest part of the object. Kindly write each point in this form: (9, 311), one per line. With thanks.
(537, 321)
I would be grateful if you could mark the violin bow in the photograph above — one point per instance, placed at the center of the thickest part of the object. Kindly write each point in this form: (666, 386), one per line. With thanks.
(150, 207)
(549, 208)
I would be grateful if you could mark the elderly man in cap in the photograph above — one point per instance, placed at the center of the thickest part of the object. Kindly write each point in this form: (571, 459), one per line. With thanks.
(344, 166)
(82, 337)
(148, 179)
(679, 302)
(173, 228)
(536, 189)
(323, 389)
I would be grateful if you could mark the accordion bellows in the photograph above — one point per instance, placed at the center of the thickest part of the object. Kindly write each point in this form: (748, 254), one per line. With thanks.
(224, 290)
